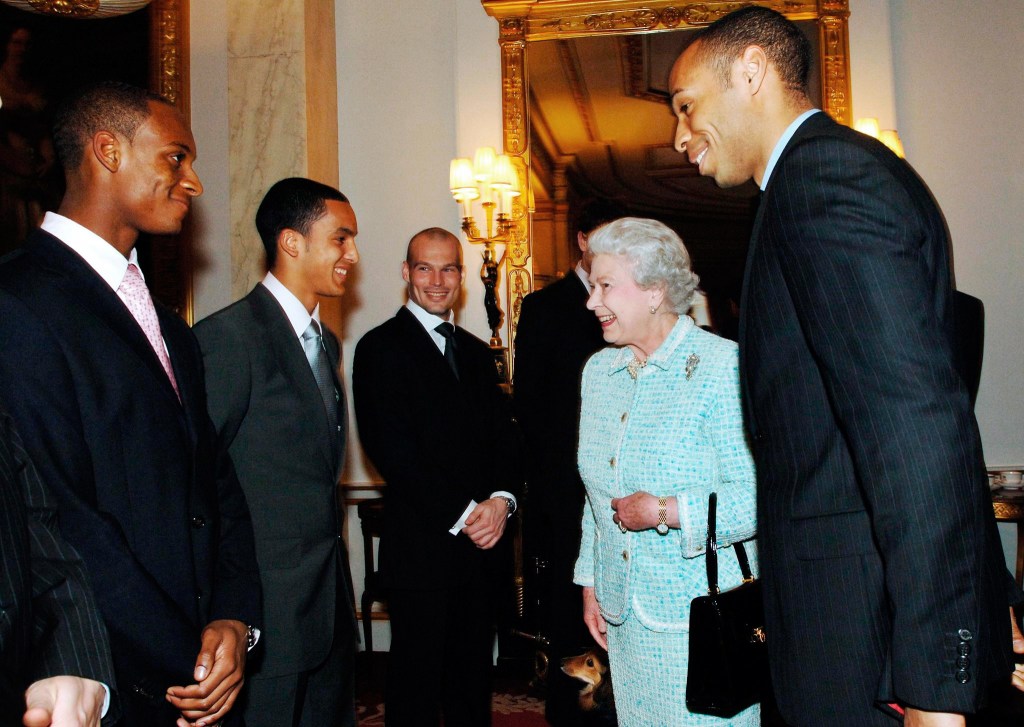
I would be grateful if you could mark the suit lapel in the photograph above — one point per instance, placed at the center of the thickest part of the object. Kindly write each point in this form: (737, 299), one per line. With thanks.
(180, 349)
(90, 291)
(337, 439)
(291, 360)
(424, 349)
(813, 124)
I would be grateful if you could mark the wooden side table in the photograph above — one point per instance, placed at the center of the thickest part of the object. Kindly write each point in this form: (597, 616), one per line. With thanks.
(1009, 507)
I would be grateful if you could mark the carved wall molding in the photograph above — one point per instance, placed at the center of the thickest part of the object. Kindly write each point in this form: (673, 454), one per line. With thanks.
(546, 20)
(79, 9)
(169, 52)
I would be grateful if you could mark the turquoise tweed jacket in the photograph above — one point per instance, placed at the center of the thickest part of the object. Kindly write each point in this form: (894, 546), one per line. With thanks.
(676, 431)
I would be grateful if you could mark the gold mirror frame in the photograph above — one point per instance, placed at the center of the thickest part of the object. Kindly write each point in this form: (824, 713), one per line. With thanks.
(524, 21)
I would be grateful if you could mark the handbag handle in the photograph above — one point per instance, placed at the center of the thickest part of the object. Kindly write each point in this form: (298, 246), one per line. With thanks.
(711, 559)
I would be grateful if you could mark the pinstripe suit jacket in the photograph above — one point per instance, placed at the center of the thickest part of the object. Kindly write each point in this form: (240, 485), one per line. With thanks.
(883, 576)
(49, 622)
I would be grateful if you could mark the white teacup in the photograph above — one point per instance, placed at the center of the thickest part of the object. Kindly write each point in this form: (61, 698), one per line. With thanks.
(1011, 478)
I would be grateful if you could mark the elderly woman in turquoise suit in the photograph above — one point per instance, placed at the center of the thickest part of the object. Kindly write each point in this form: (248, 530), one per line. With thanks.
(661, 428)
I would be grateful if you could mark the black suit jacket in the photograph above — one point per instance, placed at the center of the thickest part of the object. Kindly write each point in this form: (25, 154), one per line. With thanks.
(879, 552)
(438, 442)
(555, 337)
(269, 415)
(49, 622)
(167, 546)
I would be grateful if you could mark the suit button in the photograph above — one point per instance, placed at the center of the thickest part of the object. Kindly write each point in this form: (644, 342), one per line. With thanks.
(964, 648)
(965, 635)
(612, 461)
(623, 416)
(625, 555)
(198, 522)
(962, 677)
(962, 662)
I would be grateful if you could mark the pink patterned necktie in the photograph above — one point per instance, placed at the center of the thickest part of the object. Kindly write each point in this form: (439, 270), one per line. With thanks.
(135, 295)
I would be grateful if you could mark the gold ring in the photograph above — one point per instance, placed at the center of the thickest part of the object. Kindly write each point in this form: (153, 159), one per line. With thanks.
(622, 527)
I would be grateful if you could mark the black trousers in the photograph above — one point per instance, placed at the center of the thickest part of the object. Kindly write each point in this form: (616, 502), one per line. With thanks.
(440, 661)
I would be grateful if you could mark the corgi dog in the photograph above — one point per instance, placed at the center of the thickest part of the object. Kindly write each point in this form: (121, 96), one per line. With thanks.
(591, 668)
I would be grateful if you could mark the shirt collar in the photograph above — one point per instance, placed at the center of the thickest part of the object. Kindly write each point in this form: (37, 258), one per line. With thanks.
(297, 314)
(583, 275)
(101, 256)
(428, 320)
(664, 356)
(781, 144)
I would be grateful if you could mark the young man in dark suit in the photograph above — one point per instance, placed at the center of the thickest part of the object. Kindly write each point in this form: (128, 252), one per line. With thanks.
(276, 401)
(555, 337)
(107, 392)
(885, 587)
(54, 652)
(438, 428)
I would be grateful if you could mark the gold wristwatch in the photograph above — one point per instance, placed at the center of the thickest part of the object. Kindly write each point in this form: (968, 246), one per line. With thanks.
(662, 526)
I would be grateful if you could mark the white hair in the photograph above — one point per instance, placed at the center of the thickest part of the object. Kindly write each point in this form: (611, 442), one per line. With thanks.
(656, 256)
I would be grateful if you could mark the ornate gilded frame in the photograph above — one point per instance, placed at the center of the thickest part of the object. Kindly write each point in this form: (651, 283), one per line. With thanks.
(172, 258)
(523, 21)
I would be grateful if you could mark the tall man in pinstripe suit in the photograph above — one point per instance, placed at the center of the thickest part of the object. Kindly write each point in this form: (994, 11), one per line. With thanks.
(885, 590)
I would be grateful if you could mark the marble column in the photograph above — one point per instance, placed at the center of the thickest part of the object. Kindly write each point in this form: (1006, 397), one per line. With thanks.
(282, 111)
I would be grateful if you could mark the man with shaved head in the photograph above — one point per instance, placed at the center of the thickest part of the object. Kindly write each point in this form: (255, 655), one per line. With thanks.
(438, 428)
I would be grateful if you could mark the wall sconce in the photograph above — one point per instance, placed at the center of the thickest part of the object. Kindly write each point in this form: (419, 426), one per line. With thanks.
(889, 137)
(492, 179)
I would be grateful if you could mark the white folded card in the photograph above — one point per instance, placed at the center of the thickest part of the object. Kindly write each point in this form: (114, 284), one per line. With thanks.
(454, 529)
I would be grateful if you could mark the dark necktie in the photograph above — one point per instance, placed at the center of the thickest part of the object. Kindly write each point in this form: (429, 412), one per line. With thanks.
(447, 331)
(312, 344)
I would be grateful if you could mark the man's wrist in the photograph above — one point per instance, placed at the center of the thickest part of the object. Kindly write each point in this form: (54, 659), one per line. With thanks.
(510, 501)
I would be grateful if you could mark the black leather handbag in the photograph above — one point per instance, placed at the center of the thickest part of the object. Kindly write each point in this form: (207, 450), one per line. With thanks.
(728, 667)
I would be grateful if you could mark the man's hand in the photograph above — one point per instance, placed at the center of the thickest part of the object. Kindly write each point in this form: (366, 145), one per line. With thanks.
(486, 523)
(918, 718)
(593, 619)
(1017, 679)
(219, 673)
(64, 701)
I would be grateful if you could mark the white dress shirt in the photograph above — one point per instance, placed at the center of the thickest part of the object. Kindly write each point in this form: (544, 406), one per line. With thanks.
(101, 256)
(297, 314)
